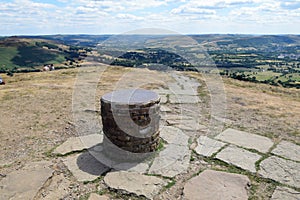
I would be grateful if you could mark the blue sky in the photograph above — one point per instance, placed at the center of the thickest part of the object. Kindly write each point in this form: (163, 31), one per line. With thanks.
(28, 17)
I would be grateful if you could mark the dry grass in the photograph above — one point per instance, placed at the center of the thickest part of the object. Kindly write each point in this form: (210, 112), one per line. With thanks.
(263, 109)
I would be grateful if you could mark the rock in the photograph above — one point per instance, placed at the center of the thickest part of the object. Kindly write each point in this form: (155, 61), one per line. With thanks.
(136, 183)
(78, 143)
(95, 196)
(171, 161)
(281, 170)
(26, 182)
(239, 157)
(216, 185)
(288, 150)
(85, 167)
(207, 146)
(246, 140)
(174, 135)
(283, 193)
(163, 99)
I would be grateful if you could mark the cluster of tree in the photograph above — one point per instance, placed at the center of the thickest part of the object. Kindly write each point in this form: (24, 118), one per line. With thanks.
(46, 44)
(157, 56)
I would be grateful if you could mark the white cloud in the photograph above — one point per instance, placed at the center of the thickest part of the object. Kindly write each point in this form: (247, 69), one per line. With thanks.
(107, 16)
(189, 10)
(128, 17)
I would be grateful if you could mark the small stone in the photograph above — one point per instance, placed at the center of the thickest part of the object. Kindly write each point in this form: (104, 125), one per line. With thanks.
(95, 196)
(78, 143)
(288, 150)
(283, 193)
(207, 146)
(239, 157)
(136, 183)
(171, 161)
(26, 182)
(85, 167)
(193, 146)
(246, 140)
(281, 170)
(163, 99)
(216, 185)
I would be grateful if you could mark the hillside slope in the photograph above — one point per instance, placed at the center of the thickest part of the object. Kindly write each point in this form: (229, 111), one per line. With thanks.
(18, 52)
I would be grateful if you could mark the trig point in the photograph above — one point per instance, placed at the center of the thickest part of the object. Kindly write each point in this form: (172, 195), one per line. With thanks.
(130, 120)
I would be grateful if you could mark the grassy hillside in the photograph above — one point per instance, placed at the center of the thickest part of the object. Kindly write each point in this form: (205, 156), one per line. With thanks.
(6, 56)
(17, 52)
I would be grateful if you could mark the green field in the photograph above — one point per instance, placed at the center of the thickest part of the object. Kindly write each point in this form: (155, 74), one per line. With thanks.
(6, 56)
(266, 75)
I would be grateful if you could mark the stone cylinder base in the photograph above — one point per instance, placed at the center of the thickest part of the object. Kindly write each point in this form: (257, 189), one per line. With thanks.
(130, 119)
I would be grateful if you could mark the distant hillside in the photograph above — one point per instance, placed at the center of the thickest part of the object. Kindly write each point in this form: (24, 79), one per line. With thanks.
(219, 41)
(21, 52)
(74, 40)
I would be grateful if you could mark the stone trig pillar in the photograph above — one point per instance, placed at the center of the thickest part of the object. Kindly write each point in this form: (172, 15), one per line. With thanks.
(130, 121)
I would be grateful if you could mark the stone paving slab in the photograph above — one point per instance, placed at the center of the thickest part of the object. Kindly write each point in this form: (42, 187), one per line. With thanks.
(288, 150)
(187, 124)
(176, 118)
(26, 182)
(239, 157)
(84, 166)
(171, 161)
(57, 188)
(283, 193)
(281, 170)
(132, 167)
(207, 146)
(174, 135)
(246, 140)
(184, 99)
(165, 109)
(78, 143)
(184, 88)
(216, 185)
(136, 183)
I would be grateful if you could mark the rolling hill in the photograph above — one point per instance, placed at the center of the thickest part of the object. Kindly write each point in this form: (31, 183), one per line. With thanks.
(20, 52)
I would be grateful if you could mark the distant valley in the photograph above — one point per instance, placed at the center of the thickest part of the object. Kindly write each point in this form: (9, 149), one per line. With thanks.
(270, 59)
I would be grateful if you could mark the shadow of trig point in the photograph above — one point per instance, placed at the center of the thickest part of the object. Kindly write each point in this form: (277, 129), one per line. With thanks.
(130, 121)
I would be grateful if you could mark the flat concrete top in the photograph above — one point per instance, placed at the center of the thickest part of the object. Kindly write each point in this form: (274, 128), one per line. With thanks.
(131, 97)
